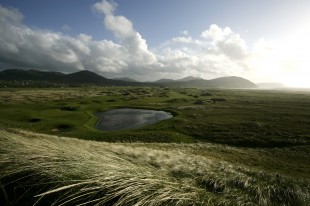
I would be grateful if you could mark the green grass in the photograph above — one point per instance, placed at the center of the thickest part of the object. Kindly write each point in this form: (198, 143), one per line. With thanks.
(222, 147)
(248, 118)
(48, 170)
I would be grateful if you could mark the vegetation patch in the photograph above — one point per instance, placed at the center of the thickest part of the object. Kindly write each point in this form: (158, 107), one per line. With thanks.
(69, 108)
(41, 169)
(34, 120)
(239, 117)
(250, 148)
(202, 102)
(63, 128)
(206, 94)
(218, 100)
(179, 100)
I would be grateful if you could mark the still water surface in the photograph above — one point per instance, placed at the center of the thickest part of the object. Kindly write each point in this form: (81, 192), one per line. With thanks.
(126, 118)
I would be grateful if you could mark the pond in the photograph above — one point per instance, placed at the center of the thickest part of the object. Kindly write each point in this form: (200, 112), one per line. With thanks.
(126, 118)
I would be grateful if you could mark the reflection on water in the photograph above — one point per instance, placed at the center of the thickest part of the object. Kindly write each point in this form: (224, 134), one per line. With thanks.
(126, 118)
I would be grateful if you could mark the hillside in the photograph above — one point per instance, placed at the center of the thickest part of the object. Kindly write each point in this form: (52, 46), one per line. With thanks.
(35, 75)
(231, 82)
(223, 82)
(189, 78)
(220, 144)
(126, 79)
(185, 79)
(85, 77)
(164, 81)
(77, 78)
(38, 169)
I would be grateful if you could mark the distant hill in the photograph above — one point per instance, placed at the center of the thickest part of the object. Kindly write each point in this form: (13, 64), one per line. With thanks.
(88, 77)
(77, 78)
(189, 78)
(85, 76)
(232, 82)
(185, 79)
(126, 79)
(164, 80)
(223, 82)
(35, 75)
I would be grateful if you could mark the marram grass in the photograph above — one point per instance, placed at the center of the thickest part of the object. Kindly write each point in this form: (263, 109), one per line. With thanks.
(37, 169)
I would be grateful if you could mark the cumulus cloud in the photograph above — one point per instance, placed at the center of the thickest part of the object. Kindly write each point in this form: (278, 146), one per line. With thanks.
(123, 30)
(27, 47)
(48, 50)
(186, 40)
(216, 33)
(11, 16)
(216, 52)
(226, 41)
(185, 32)
(209, 56)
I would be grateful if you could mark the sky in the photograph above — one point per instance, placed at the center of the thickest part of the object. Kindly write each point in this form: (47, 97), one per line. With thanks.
(263, 41)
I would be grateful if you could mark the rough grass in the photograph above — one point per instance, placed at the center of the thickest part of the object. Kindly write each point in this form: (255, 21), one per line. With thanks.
(250, 118)
(37, 169)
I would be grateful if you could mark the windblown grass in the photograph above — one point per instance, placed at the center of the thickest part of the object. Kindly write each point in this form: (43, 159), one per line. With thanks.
(37, 169)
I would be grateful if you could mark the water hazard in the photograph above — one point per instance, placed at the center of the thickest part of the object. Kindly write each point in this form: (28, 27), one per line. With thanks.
(126, 118)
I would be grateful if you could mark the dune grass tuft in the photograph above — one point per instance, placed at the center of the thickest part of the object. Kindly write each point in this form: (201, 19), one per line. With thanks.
(37, 169)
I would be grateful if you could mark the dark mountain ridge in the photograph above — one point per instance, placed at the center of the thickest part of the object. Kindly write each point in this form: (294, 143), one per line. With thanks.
(35, 75)
(74, 79)
(86, 77)
(126, 79)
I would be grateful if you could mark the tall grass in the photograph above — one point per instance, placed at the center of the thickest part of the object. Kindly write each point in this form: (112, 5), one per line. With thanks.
(38, 169)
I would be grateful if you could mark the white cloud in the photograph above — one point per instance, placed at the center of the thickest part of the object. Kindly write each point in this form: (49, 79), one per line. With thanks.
(185, 32)
(220, 52)
(186, 40)
(107, 8)
(10, 16)
(123, 30)
(226, 41)
(47, 50)
(216, 33)
(233, 47)
(180, 56)
(217, 52)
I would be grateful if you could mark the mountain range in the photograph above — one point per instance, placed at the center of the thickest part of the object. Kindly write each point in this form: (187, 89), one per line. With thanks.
(87, 77)
(83, 77)
(185, 79)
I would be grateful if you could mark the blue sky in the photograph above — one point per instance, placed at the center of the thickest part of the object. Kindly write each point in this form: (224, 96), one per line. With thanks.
(160, 20)
(167, 33)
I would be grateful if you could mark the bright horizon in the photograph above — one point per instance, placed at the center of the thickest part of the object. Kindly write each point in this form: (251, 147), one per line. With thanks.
(263, 41)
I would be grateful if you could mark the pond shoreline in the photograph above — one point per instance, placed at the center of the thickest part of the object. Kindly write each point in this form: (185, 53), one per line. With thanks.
(129, 118)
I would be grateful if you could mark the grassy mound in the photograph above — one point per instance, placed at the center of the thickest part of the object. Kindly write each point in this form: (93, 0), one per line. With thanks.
(179, 100)
(47, 170)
